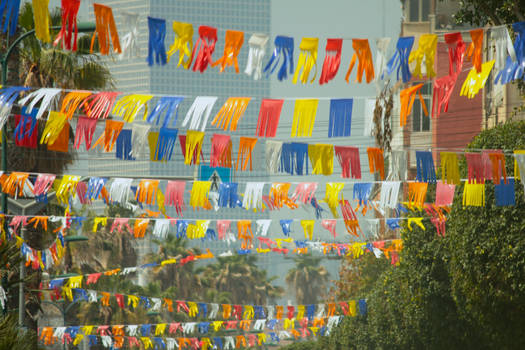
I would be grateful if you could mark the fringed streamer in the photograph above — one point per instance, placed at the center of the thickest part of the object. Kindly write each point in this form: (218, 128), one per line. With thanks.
(348, 157)
(139, 134)
(397, 169)
(487, 163)
(504, 193)
(14, 184)
(130, 47)
(56, 121)
(269, 115)
(175, 196)
(67, 188)
(262, 227)
(332, 60)
(474, 195)
(94, 188)
(228, 196)
(246, 146)
(257, 48)
(438, 218)
(442, 92)
(370, 105)
(456, 52)
(417, 192)
(156, 46)
(73, 101)
(46, 96)
(221, 151)
(350, 219)
(161, 228)
(139, 228)
(205, 46)
(519, 165)
(340, 122)
(7, 98)
(273, 155)
(425, 167)
(474, 51)
(278, 196)
(500, 38)
(308, 227)
(304, 192)
(61, 143)
(129, 106)
(165, 144)
(381, 56)
(449, 168)
(417, 221)
(231, 113)
(198, 230)
(332, 194)
(307, 60)
(41, 19)
(389, 194)
(475, 81)
(330, 225)
(233, 41)
(183, 43)
(286, 226)
(199, 195)
(85, 130)
(147, 191)
(283, 48)
(365, 64)
(407, 98)
(119, 190)
(361, 194)
(223, 228)
(105, 28)
(322, 158)
(245, 233)
(199, 111)
(399, 60)
(123, 143)
(444, 194)
(26, 124)
(294, 158)
(193, 146)
(252, 199)
(69, 24)
(376, 162)
(169, 105)
(43, 184)
(110, 135)
(119, 224)
(498, 167)
(426, 52)
(514, 65)
(97, 106)
(476, 173)
(304, 117)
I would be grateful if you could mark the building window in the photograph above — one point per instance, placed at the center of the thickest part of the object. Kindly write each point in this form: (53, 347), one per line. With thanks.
(418, 10)
(420, 121)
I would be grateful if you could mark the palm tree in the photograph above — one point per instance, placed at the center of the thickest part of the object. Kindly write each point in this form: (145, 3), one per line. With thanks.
(308, 279)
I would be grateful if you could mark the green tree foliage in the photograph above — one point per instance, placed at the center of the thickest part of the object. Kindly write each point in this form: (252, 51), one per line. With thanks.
(496, 12)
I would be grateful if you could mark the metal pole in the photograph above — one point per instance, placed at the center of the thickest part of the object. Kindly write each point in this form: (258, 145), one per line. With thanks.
(21, 295)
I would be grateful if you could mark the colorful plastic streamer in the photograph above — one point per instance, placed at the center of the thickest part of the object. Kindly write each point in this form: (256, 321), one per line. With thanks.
(376, 161)
(41, 19)
(199, 195)
(497, 160)
(8, 96)
(294, 158)
(231, 113)
(503, 44)
(381, 57)
(56, 121)
(304, 192)
(361, 194)
(69, 24)
(228, 196)
(193, 146)
(474, 195)
(400, 59)
(169, 106)
(130, 47)
(476, 173)
(365, 64)
(340, 122)
(232, 46)
(26, 123)
(476, 81)
(504, 193)
(221, 151)
(426, 52)
(246, 146)
(449, 168)
(348, 157)
(474, 51)
(46, 95)
(199, 112)
(109, 137)
(304, 117)
(444, 194)
(417, 192)
(322, 158)
(174, 196)
(397, 169)
(97, 106)
(85, 130)
(426, 171)
(332, 60)
(205, 46)
(139, 135)
(165, 144)
(183, 43)
(407, 98)
(514, 65)
(156, 45)
(257, 48)
(9, 13)
(283, 48)
(307, 60)
(389, 194)
(273, 150)
(332, 194)
(105, 29)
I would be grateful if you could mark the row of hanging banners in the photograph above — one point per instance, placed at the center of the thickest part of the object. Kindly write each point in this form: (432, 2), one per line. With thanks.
(509, 57)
